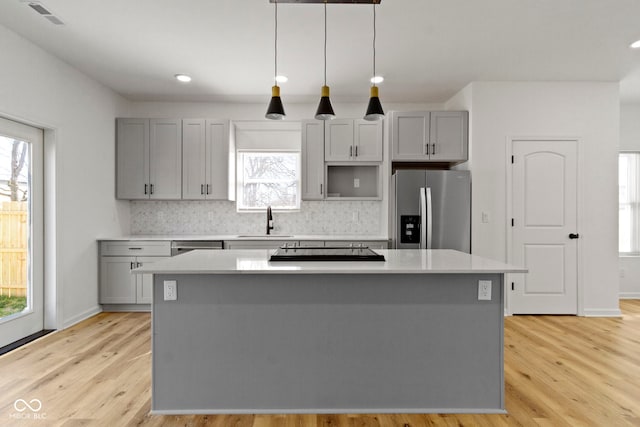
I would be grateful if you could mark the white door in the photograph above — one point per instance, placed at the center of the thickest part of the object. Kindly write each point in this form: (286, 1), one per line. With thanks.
(544, 227)
(21, 231)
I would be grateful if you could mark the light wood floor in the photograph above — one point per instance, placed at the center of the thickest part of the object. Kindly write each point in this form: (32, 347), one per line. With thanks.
(559, 370)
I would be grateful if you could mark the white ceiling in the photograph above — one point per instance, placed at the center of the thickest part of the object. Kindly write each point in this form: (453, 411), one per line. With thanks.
(427, 50)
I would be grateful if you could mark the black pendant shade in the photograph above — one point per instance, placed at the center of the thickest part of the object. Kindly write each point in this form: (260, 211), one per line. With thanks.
(374, 109)
(325, 110)
(275, 111)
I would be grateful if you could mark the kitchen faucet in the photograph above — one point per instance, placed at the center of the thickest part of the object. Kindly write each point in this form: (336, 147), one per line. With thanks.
(269, 220)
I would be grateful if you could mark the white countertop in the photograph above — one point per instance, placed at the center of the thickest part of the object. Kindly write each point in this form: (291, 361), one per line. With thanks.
(402, 261)
(196, 237)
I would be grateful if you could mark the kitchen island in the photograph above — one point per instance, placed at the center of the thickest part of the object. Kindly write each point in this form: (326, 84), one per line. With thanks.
(246, 335)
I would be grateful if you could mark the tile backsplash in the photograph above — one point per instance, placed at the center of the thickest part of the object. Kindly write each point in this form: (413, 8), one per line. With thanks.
(220, 217)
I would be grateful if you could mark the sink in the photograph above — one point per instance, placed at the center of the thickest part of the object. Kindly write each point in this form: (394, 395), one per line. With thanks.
(263, 236)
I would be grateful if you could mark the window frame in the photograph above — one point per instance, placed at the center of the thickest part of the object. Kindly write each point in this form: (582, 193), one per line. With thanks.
(240, 180)
(633, 203)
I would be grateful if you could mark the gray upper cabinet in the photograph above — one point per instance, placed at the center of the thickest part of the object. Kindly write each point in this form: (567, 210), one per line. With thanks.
(449, 136)
(165, 159)
(312, 160)
(338, 144)
(410, 135)
(132, 147)
(205, 159)
(353, 140)
(149, 159)
(368, 140)
(438, 136)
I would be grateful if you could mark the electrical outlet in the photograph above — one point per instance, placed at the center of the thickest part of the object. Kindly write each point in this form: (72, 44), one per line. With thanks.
(484, 290)
(356, 182)
(170, 290)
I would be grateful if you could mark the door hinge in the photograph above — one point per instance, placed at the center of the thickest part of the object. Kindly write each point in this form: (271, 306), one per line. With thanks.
(513, 222)
(512, 286)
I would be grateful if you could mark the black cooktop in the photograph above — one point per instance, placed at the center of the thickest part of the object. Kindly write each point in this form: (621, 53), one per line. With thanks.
(325, 253)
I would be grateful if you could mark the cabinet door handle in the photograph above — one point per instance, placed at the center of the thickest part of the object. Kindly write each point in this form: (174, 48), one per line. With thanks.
(131, 265)
(138, 264)
(426, 149)
(151, 188)
(433, 151)
(208, 190)
(201, 188)
(145, 189)
(356, 151)
(321, 189)
(135, 249)
(351, 151)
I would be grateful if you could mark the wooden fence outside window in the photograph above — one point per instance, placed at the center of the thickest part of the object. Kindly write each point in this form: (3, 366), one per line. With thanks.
(13, 248)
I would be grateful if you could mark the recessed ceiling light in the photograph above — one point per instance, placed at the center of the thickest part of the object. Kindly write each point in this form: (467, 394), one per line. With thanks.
(282, 79)
(377, 79)
(183, 78)
(635, 44)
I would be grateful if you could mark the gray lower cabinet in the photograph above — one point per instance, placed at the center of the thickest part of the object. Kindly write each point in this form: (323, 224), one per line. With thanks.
(149, 159)
(117, 285)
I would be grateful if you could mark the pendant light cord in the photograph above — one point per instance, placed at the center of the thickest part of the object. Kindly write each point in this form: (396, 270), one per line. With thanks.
(325, 43)
(374, 43)
(275, 75)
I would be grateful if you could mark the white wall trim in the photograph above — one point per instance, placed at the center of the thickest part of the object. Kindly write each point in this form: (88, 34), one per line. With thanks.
(82, 316)
(602, 312)
(629, 295)
(509, 213)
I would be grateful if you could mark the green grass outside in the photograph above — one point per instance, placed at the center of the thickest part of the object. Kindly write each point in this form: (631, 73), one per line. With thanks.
(11, 305)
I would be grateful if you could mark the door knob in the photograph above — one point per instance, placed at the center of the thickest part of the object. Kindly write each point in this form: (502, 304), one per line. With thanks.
(574, 236)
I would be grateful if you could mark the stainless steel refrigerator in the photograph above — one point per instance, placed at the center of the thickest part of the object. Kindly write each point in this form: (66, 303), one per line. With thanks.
(431, 209)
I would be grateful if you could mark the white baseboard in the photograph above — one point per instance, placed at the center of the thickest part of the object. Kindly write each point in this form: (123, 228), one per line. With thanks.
(602, 312)
(82, 316)
(629, 295)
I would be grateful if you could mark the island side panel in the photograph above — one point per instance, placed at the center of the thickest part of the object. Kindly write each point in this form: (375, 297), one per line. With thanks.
(318, 343)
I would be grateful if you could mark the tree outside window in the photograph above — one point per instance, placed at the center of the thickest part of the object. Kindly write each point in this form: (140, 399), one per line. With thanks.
(268, 179)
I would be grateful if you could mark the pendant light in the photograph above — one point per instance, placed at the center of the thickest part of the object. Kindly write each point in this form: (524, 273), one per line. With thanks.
(325, 111)
(374, 109)
(275, 111)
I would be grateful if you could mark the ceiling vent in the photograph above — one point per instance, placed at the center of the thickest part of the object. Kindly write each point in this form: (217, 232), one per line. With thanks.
(46, 13)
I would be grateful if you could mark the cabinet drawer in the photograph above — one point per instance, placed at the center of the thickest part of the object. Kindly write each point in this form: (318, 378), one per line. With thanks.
(136, 248)
(371, 244)
(257, 244)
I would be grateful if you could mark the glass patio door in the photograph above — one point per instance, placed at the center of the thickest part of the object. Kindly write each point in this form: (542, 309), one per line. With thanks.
(21, 231)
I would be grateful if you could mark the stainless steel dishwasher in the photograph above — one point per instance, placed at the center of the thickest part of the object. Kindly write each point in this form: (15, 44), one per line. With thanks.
(183, 246)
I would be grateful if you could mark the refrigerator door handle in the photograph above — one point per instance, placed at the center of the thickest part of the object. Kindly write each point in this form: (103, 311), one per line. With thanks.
(429, 216)
(423, 218)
